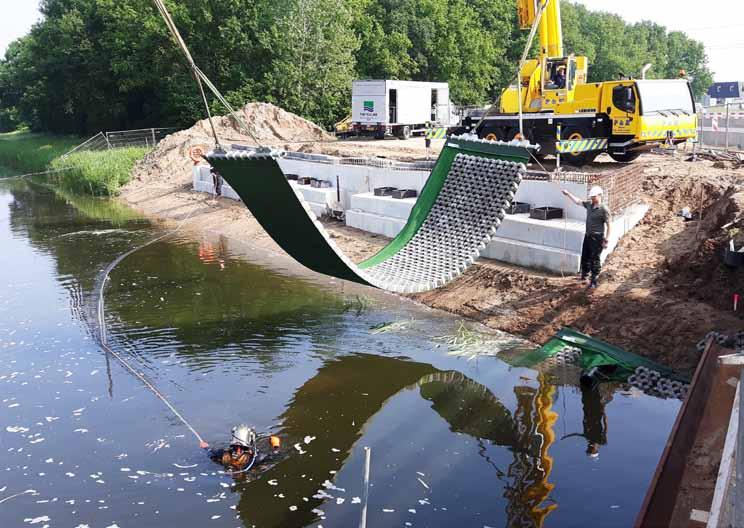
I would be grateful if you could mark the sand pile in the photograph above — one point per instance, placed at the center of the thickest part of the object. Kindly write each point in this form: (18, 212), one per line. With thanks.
(268, 124)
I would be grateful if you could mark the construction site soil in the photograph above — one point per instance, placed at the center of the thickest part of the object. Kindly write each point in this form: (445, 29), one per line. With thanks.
(660, 292)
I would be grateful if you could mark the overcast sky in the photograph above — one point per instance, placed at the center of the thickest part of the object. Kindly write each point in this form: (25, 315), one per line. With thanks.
(18, 17)
(720, 25)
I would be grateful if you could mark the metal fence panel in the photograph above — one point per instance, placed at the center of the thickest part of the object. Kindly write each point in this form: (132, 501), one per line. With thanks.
(146, 137)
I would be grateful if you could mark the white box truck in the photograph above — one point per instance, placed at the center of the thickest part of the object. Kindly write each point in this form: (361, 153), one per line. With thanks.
(400, 108)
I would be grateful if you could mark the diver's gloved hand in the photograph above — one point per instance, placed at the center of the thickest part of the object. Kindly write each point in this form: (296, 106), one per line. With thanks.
(203, 445)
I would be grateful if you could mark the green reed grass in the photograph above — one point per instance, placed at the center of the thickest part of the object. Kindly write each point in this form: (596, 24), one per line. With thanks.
(98, 173)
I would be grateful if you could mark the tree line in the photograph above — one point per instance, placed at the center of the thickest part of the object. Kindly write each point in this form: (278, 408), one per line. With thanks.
(92, 65)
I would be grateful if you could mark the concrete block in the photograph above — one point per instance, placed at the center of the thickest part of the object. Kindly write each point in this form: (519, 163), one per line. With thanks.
(532, 255)
(506, 248)
(319, 209)
(228, 192)
(355, 179)
(623, 224)
(326, 197)
(549, 194)
(383, 205)
(372, 223)
(558, 233)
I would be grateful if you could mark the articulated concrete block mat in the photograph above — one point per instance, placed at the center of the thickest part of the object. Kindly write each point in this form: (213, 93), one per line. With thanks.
(457, 214)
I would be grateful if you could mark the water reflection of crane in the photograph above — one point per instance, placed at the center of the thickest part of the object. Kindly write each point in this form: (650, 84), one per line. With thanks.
(334, 406)
(472, 408)
(531, 470)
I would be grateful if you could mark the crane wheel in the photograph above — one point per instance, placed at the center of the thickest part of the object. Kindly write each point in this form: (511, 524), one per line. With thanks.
(579, 159)
(626, 157)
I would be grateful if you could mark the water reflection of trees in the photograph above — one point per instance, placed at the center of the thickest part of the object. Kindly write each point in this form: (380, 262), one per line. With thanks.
(45, 219)
(217, 308)
(213, 300)
(336, 404)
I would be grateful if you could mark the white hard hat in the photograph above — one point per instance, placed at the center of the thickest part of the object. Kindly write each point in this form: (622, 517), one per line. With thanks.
(595, 191)
(243, 435)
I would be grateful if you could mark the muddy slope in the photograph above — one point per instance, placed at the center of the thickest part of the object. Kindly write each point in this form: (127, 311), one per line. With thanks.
(662, 289)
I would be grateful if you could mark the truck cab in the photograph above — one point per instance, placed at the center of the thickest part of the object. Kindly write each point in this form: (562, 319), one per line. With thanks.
(646, 112)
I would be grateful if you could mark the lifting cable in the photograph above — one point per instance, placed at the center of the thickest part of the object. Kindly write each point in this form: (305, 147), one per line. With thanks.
(103, 334)
(201, 78)
(535, 24)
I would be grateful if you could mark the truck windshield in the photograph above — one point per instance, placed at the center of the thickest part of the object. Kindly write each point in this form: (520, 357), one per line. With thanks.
(665, 96)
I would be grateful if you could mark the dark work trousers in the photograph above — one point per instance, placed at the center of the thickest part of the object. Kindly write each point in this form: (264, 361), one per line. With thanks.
(590, 252)
(217, 180)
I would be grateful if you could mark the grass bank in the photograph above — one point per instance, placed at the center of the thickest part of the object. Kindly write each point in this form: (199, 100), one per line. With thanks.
(24, 152)
(99, 173)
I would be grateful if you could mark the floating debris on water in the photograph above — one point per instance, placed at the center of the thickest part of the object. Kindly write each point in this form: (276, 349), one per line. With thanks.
(471, 344)
(392, 326)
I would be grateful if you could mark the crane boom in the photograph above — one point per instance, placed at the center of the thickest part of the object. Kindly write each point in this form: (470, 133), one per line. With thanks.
(553, 99)
(550, 29)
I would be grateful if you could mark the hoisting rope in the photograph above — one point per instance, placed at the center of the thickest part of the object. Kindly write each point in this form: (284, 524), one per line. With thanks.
(535, 24)
(103, 335)
(200, 78)
(538, 15)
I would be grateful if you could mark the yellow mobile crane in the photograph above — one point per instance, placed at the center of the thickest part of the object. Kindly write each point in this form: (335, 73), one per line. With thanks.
(622, 118)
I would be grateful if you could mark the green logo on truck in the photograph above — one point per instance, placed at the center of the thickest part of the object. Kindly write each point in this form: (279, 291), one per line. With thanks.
(369, 106)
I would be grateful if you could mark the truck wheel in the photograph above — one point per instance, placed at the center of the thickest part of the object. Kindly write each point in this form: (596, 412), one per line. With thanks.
(578, 159)
(404, 132)
(625, 157)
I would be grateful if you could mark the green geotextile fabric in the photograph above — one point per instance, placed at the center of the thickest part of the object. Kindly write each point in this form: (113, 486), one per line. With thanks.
(434, 185)
(596, 353)
(261, 184)
(264, 189)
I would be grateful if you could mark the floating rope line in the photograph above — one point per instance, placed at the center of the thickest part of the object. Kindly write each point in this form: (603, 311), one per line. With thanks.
(103, 335)
(27, 175)
(32, 492)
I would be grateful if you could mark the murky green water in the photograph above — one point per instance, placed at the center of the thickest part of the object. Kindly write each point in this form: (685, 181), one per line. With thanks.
(454, 442)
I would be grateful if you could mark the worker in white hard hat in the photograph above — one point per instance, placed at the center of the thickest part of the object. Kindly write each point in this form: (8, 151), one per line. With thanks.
(597, 235)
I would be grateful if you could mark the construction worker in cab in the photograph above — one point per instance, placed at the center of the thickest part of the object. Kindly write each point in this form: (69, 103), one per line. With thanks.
(597, 235)
(243, 452)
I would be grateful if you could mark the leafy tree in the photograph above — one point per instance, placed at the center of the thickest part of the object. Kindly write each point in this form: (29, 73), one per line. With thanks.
(93, 65)
(312, 46)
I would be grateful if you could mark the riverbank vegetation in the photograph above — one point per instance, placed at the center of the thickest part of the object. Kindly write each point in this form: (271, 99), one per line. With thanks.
(24, 152)
(92, 65)
(98, 173)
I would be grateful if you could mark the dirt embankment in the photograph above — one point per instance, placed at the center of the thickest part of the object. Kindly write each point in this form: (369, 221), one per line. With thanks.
(661, 291)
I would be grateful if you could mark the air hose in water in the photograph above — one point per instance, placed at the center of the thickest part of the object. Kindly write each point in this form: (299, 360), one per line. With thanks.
(103, 334)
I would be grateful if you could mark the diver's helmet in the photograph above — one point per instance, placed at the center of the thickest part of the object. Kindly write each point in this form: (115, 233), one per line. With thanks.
(243, 435)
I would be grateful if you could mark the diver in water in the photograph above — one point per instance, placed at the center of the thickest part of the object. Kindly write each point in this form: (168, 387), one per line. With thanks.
(243, 452)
